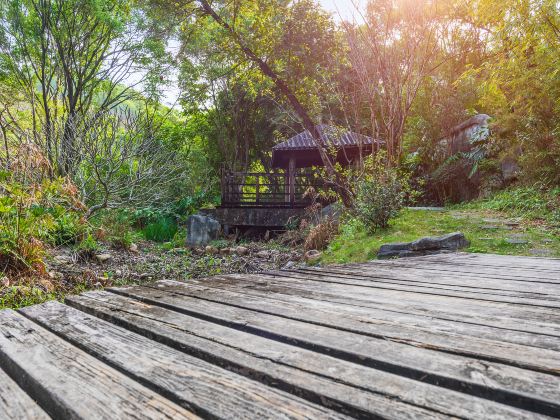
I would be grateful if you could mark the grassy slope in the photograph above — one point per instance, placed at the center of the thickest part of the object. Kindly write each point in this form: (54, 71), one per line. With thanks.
(354, 244)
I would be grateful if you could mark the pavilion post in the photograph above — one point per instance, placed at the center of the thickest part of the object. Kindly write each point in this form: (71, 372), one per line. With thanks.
(292, 181)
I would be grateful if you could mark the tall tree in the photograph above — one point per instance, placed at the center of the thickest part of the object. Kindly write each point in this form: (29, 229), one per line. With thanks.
(220, 13)
(298, 40)
(392, 51)
(72, 57)
(519, 82)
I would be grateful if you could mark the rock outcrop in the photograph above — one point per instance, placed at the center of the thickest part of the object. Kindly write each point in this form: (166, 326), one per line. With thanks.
(201, 230)
(428, 245)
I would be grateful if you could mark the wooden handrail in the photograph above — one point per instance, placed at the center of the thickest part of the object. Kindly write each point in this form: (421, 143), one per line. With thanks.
(268, 189)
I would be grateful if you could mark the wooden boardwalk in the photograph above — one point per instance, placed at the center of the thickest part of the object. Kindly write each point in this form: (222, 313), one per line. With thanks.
(452, 335)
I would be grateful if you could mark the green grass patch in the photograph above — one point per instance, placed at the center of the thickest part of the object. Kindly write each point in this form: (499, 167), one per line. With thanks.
(15, 297)
(162, 230)
(529, 203)
(354, 244)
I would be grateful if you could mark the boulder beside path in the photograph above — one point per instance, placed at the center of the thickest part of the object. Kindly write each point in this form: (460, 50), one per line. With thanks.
(428, 245)
(201, 230)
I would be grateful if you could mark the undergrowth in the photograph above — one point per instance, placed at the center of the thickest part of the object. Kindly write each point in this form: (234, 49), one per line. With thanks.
(354, 243)
(530, 203)
(36, 211)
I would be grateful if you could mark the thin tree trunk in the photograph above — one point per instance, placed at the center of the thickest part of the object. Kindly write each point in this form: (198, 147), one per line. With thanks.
(5, 137)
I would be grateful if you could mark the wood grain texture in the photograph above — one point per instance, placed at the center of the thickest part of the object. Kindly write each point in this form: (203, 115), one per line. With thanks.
(491, 260)
(256, 295)
(199, 386)
(500, 315)
(488, 269)
(491, 380)
(519, 297)
(455, 281)
(69, 384)
(425, 328)
(441, 336)
(15, 403)
(295, 369)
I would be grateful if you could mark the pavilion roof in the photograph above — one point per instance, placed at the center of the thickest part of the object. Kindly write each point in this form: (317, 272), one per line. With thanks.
(331, 136)
(302, 147)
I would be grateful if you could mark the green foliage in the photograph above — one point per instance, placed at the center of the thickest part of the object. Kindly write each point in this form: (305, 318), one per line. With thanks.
(20, 296)
(15, 297)
(88, 246)
(380, 194)
(527, 202)
(162, 230)
(115, 227)
(356, 244)
(519, 83)
(298, 40)
(221, 243)
(34, 215)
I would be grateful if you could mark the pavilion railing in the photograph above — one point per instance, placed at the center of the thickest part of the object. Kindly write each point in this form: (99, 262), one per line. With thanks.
(261, 189)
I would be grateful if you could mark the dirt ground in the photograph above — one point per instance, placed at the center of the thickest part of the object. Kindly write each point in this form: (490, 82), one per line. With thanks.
(148, 262)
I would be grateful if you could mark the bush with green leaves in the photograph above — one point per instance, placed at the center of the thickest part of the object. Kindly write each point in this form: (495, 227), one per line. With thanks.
(115, 227)
(380, 194)
(36, 213)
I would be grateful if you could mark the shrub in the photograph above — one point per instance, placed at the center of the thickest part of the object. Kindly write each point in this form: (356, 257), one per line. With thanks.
(321, 235)
(67, 229)
(20, 296)
(380, 194)
(115, 227)
(88, 246)
(35, 212)
(528, 202)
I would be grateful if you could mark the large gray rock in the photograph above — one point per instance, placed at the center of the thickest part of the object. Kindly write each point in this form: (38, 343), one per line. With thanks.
(201, 230)
(428, 245)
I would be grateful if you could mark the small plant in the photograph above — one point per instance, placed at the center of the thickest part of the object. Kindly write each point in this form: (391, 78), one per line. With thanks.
(321, 235)
(380, 194)
(525, 202)
(116, 228)
(179, 239)
(35, 212)
(220, 243)
(67, 229)
(162, 230)
(88, 246)
(20, 296)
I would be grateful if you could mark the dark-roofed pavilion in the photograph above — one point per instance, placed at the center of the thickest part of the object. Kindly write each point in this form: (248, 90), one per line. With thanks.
(270, 199)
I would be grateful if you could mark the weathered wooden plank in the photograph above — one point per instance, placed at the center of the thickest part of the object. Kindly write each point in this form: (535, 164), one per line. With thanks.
(490, 314)
(427, 329)
(524, 356)
(68, 383)
(494, 260)
(549, 314)
(197, 385)
(457, 280)
(489, 271)
(15, 403)
(455, 274)
(514, 261)
(515, 297)
(482, 378)
(297, 370)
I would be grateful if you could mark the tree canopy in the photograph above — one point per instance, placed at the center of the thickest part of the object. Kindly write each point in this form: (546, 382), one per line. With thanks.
(83, 75)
